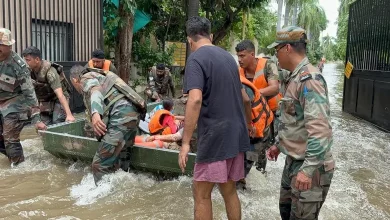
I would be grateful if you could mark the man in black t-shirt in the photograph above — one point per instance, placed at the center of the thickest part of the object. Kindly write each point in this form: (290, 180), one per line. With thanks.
(215, 104)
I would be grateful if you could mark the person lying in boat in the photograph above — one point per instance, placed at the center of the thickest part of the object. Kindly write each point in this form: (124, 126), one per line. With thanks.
(144, 124)
(163, 121)
(114, 109)
(168, 141)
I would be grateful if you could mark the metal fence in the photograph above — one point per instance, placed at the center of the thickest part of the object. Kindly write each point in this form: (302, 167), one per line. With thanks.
(367, 91)
(369, 35)
(64, 30)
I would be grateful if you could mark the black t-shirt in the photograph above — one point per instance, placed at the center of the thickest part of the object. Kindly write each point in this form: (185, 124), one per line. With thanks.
(222, 131)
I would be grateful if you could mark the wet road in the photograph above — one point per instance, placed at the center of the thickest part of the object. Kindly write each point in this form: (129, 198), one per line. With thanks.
(44, 187)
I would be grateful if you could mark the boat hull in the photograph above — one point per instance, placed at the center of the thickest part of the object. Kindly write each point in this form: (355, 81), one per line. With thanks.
(66, 141)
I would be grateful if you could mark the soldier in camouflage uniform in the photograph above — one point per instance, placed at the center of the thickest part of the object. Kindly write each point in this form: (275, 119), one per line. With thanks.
(52, 89)
(114, 109)
(159, 83)
(99, 61)
(18, 102)
(262, 118)
(263, 73)
(305, 132)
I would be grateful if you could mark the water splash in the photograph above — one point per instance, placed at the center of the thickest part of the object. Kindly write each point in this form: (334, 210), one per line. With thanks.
(87, 192)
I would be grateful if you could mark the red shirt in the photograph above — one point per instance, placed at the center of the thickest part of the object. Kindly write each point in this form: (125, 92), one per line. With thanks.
(169, 121)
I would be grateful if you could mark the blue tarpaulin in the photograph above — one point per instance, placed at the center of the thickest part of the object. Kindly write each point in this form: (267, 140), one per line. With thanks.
(141, 19)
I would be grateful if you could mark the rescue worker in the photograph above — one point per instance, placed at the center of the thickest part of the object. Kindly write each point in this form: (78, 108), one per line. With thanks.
(321, 64)
(98, 61)
(263, 73)
(115, 110)
(262, 118)
(18, 102)
(159, 83)
(305, 132)
(51, 87)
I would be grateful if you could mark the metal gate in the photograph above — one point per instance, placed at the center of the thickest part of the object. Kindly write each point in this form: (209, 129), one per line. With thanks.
(367, 91)
(66, 31)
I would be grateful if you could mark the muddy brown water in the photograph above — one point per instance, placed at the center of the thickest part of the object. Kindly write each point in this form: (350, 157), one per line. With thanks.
(44, 187)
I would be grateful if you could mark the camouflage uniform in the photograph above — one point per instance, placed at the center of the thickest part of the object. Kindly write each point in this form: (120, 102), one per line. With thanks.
(271, 70)
(18, 104)
(45, 82)
(159, 85)
(118, 113)
(272, 73)
(305, 135)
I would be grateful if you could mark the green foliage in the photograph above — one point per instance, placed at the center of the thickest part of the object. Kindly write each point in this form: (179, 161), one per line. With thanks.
(260, 25)
(264, 27)
(115, 21)
(129, 6)
(168, 19)
(312, 18)
(223, 15)
(342, 29)
(146, 56)
(329, 48)
(314, 54)
(110, 11)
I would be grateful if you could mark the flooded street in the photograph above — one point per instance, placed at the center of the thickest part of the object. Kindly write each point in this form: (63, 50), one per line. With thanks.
(44, 187)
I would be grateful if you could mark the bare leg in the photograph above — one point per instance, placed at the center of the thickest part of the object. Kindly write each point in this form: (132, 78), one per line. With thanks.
(232, 203)
(202, 198)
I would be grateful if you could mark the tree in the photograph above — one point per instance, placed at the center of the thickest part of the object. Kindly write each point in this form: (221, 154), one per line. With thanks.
(342, 29)
(312, 18)
(224, 14)
(329, 48)
(193, 10)
(265, 23)
(120, 19)
(280, 8)
(260, 24)
(294, 6)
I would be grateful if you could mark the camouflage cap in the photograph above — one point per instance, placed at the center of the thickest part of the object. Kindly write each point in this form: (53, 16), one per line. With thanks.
(6, 37)
(290, 34)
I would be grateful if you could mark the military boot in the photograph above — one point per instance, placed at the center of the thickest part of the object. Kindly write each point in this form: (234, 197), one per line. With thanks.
(16, 160)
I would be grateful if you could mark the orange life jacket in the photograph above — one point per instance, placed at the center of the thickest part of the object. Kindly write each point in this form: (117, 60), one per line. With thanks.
(140, 141)
(155, 127)
(106, 65)
(262, 115)
(260, 82)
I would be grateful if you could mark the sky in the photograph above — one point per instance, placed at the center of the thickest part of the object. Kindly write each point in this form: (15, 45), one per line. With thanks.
(331, 11)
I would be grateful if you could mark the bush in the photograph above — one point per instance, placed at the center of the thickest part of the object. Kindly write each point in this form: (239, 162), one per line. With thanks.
(145, 56)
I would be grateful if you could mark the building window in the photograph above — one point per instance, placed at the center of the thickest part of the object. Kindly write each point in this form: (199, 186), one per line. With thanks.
(53, 38)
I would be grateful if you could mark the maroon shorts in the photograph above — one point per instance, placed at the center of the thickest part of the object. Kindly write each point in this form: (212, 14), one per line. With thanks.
(220, 171)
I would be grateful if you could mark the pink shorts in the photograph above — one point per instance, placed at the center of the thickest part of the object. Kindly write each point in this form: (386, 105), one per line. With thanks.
(220, 171)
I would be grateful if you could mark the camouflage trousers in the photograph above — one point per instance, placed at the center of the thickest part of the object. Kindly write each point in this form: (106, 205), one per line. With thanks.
(257, 154)
(274, 128)
(55, 116)
(295, 204)
(122, 128)
(10, 128)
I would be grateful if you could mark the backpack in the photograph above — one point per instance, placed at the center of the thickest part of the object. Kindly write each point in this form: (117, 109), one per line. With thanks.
(64, 81)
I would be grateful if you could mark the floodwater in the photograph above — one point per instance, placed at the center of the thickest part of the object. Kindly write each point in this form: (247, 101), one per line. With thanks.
(44, 187)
